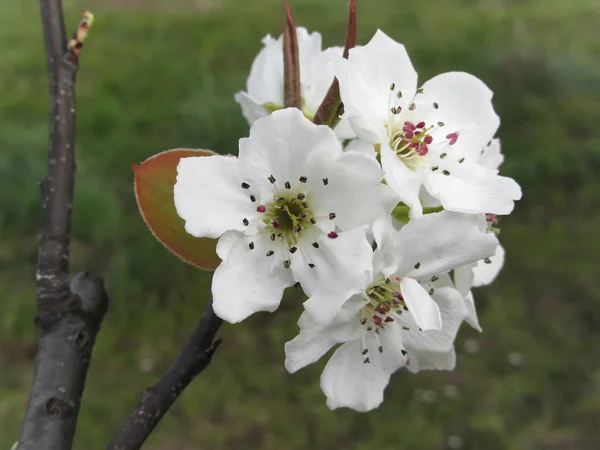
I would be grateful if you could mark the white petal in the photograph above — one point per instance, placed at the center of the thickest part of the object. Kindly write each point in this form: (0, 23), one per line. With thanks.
(353, 192)
(342, 268)
(343, 130)
(385, 259)
(465, 106)
(486, 272)
(463, 278)
(247, 281)
(440, 242)
(265, 82)
(251, 109)
(209, 197)
(348, 382)
(365, 80)
(491, 194)
(491, 156)
(471, 318)
(420, 304)
(422, 360)
(360, 146)
(282, 145)
(403, 181)
(452, 312)
(391, 357)
(317, 78)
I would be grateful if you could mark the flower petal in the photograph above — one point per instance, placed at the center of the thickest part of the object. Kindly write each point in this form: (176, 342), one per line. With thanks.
(464, 104)
(349, 382)
(471, 318)
(491, 156)
(365, 80)
(251, 109)
(247, 281)
(403, 181)
(342, 268)
(420, 304)
(422, 360)
(282, 145)
(486, 270)
(481, 194)
(440, 242)
(353, 191)
(452, 311)
(209, 197)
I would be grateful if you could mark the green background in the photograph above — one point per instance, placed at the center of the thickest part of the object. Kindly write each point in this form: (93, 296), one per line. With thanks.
(161, 74)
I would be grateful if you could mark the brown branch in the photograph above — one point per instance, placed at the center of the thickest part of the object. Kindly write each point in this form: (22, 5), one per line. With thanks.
(331, 108)
(68, 314)
(291, 63)
(156, 400)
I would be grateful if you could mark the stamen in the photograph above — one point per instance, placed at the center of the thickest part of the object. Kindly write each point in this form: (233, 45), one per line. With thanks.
(445, 172)
(275, 224)
(435, 105)
(315, 244)
(272, 236)
(293, 249)
(287, 263)
(417, 265)
(404, 352)
(332, 235)
(399, 94)
(251, 245)
(453, 137)
(252, 198)
(303, 179)
(380, 349)
(313, 220)
(461, 160)
(245, 221)
(261, 208)
(271, 179)
(301, 196)
(420, 91)
(331, 216)
(270, 253)
(440, 124)
(377, 320)
(304, 204)
(431, 291)
(412, 107)
(487, 261)
(434, 168)
(312, 266)
(280, 200)
(435, 278)
(443, 155)
(325, 181)
(392, 86)
(288, 185)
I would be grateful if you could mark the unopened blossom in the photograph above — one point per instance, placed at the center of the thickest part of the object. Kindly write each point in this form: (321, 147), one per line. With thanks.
(406, 316)
(292, 208)
(430, 136)
(264, 90)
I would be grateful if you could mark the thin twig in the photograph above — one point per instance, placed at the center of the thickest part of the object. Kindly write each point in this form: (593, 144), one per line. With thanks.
(68, 314)
(156, 400)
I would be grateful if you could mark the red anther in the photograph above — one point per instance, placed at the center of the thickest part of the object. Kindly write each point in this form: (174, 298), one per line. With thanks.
(408, 134)
(428, 140)
(389, 319)
(380, 309)
(377, 320)
(261, 208)
(332, 235)
(399, 278)
(414, 145)
(490, 218)
(276, 225)
(453, 137)
(409, 125)
(422, 150)
(421, 125)
(407, 362)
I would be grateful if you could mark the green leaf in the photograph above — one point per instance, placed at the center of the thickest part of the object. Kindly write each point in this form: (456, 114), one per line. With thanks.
(153, 183)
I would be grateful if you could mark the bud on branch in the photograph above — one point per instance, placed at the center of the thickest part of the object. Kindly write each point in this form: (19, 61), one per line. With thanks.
(291, 63)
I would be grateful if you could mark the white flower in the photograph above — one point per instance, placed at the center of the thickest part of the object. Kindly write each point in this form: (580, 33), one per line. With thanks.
(408, 315)
(429, 137)
(265, 82)
(292, 208)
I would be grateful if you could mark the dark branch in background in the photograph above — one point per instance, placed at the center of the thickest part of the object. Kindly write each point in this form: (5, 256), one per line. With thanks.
(291, 63)
(68, 314)
(331, 108)
(156, 400)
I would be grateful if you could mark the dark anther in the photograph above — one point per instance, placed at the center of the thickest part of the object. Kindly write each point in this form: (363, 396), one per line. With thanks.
(245, 185)
(251, 245)
(287, 263)
(435, 105)
(441, 124)
(443, 155)
(417, 265)
(280, 200)
(434, 168)
(412, 107)
(271, 179)
(311, 265)
(313, 220)
(315, 244)
(305, 204)
(303, 179)
(301, 196)
(293, 249)
(325, 181)
(272, 236)
(331, 216)
(445, 172)
(245, 221)
(461, 160)
(288, 185)
(252, 198)
(270, 253)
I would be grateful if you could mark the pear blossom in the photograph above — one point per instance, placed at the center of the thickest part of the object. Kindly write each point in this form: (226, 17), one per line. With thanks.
(265, 83)
(429, 137)
(293, 207)
(407, 315)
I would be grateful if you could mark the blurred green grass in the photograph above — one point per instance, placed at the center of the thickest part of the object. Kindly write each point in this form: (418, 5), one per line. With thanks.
(158, 75)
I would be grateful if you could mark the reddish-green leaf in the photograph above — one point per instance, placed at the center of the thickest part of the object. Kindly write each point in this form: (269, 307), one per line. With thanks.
(153, 183)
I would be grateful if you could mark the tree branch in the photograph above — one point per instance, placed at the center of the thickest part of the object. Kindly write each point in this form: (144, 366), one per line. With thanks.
(68, 314)
(156, 400)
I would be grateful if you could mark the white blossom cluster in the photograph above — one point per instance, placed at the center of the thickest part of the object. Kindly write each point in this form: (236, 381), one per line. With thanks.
(386, 221)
